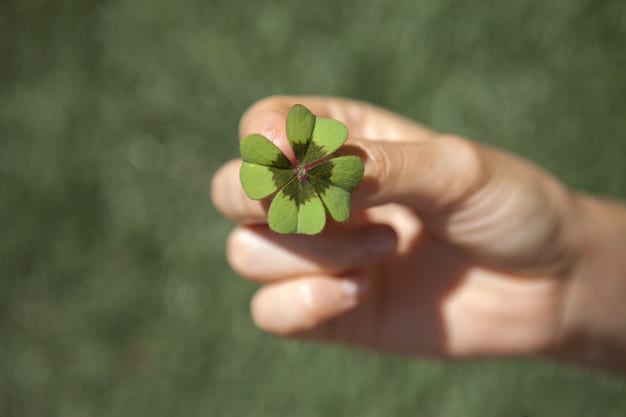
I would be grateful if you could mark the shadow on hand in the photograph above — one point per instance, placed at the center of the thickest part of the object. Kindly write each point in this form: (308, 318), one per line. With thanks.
(403, 310)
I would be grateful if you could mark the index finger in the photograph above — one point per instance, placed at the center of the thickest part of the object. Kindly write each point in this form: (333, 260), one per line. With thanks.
(364, 121)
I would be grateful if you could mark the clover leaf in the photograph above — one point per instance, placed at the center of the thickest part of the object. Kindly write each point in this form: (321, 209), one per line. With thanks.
(316, 183)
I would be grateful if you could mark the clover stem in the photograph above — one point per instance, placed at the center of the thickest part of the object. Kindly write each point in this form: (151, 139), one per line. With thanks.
(302, 170)
(313, 164)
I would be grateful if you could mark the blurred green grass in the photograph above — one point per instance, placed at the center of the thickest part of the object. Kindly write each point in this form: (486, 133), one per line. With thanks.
(115, 297)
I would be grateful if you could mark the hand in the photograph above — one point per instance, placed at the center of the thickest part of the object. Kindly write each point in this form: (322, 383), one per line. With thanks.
(453, 249)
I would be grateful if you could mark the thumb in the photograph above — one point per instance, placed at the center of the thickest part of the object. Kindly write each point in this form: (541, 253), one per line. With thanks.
(430, 175)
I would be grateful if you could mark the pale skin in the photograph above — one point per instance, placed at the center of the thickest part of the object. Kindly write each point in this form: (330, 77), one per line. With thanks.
(453, 250)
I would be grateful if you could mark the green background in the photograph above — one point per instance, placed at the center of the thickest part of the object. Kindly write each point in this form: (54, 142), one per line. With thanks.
(115, 296)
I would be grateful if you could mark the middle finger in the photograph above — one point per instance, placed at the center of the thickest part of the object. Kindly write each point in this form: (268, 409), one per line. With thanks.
(261, 255)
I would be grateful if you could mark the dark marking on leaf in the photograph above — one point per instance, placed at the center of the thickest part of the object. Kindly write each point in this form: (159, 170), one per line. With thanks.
(324, 171)
(281, 161)
(299, 191)
(278, 177)
(300, 149)
(310, 153)
(314, 153)
(281, 177)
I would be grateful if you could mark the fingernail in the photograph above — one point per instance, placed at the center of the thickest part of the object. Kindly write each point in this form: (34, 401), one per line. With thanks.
(354, 288)
(380, 241)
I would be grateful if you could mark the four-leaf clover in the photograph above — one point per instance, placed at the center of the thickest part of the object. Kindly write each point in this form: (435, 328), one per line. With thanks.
(306, 189)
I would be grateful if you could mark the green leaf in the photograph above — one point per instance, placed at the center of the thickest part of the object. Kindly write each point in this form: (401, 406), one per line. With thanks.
(334, 180)
(335, 199)
(344, 172)
(265, 169)
(259, 181)
(328, 136)
(300, 124)
(259, 150)
(315, 184)
(297, 209)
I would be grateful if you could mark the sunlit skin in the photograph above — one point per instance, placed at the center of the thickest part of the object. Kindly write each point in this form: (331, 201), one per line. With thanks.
(453, 250)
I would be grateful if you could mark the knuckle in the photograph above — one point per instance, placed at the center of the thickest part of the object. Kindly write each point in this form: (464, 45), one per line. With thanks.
(381, 165)
(468, 170)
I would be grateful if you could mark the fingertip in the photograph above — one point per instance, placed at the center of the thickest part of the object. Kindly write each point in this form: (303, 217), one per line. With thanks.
(229, 198)
(267, 117)
(243, 246)
(276, 107)
(292, 307)
(219, 181)
(271, 104)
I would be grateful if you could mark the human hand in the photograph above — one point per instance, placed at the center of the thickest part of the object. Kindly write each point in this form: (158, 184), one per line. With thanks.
(453, 249)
